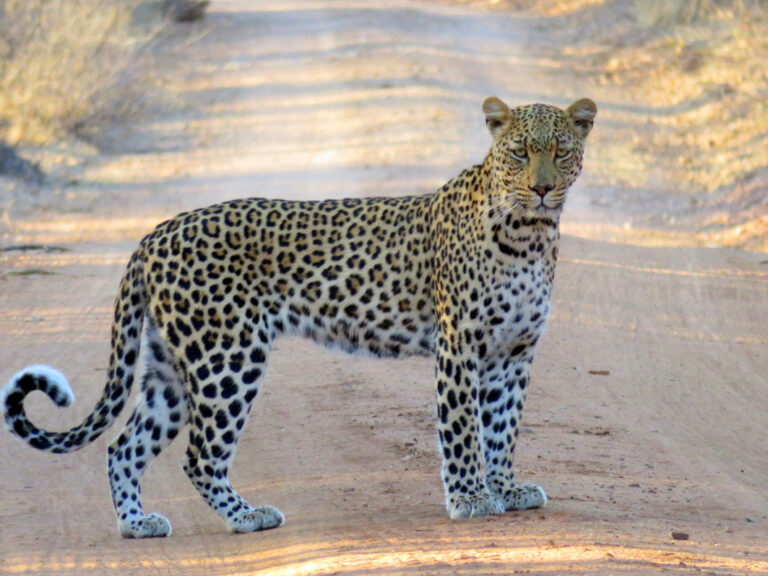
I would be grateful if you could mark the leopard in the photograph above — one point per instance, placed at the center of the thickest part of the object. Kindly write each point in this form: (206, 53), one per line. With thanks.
(463, 275)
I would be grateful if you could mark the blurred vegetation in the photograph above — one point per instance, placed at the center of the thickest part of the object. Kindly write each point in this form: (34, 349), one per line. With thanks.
(71, 66)
(702, 64)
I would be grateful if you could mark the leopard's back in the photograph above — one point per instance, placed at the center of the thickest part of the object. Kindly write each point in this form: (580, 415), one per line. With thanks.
(354, 274)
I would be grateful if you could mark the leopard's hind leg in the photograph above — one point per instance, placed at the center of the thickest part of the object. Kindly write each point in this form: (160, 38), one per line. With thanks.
(225, 390)
(161, 411)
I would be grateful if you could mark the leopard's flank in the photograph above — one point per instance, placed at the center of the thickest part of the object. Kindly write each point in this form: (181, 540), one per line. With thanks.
(464, 274)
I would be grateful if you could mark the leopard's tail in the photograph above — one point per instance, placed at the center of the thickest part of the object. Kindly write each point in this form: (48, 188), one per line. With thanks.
(126, 340)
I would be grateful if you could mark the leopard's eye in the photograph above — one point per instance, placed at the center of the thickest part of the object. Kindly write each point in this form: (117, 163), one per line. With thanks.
(520, 153)
(561, 153)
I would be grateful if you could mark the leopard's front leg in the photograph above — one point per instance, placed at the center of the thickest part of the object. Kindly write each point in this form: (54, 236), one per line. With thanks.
(503, 386)
(458, 425)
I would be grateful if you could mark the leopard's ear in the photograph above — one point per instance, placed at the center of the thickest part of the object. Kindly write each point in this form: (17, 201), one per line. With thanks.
(582, 115)
(496, 115)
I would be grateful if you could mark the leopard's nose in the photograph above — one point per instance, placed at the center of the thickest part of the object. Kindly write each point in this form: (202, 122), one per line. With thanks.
(542, 190)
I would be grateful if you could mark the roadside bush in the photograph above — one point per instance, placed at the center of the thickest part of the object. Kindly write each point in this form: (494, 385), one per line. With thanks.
(69, 66)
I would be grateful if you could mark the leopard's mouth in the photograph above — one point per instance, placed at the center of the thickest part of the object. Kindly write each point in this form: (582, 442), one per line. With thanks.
(537, 205)
(548, 208)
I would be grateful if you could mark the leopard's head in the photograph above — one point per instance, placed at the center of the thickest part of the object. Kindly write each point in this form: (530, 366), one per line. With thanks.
(536, 154)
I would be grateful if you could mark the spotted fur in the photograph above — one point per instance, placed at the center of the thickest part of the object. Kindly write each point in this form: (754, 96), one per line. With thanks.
(464, 274)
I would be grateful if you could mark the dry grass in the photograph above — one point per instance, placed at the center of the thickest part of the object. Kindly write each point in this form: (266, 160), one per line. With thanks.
(69, 66)
(705, 63)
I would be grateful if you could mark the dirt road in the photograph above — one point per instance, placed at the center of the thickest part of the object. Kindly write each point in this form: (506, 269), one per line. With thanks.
(648, 410)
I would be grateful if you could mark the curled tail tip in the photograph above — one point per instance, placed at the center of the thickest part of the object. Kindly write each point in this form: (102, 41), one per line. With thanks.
(38, 377)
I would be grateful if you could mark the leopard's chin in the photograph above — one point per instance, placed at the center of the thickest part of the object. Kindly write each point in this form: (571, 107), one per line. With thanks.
(544, 212)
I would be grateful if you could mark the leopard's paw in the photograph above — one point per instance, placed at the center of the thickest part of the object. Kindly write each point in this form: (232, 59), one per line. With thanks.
(151, 526)
(477, 505)
(523, 497)
(255, 519)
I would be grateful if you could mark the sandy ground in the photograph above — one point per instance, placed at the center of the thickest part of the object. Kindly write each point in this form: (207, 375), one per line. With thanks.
(647, 415)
